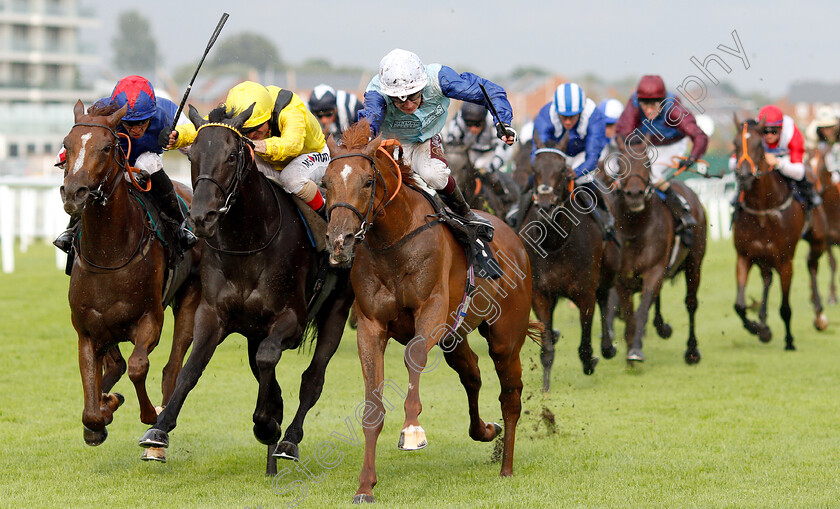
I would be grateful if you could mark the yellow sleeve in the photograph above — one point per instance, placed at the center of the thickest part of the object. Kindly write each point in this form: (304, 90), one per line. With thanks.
(292, 126)
(186, 135)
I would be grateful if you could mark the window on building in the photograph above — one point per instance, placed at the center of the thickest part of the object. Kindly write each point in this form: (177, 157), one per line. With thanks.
(13, 150)
(20, 74)
(30, 149)
(48, 148)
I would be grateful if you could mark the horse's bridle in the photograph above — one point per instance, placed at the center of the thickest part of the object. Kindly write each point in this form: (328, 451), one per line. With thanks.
(98, 195)
(543, 189)
(372, 211)
(241, 164)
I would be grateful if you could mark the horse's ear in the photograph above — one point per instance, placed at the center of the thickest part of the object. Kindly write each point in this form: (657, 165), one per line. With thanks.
(195, 117)
(735, 119)
(760, 126)
(537, 141)
(239, 120)
(332, 145)
(619, 141)
(115, 117)
(373, 146)
(564, 142)
(78, 110)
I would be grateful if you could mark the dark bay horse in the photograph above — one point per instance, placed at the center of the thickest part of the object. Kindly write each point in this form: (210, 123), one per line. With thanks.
(569, 256)
(766, 230)
(649, 255)
(257, 267)
(409, 275)
(117, 279)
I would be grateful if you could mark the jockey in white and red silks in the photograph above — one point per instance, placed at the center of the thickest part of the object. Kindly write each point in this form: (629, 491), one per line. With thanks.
(408, 101)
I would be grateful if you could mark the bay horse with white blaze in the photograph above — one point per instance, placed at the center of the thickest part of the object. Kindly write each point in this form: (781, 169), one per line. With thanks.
(766, 230)
(651, 251)
(117, 278)
(409, 276)
(256, 273)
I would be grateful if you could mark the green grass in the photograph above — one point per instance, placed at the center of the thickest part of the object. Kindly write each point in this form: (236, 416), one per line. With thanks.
(750, 426)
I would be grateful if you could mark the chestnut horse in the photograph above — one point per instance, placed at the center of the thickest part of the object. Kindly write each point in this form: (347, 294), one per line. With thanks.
(117, 278)
(256, 270)
(409, 275)
(830, 192)
(569, 256)
(645, 228)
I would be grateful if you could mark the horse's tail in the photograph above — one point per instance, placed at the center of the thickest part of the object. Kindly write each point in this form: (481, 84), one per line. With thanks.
(535, 331)
(310, 334)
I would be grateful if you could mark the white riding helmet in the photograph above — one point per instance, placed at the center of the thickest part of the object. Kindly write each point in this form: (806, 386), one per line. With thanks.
(401, 73)
(825, 117)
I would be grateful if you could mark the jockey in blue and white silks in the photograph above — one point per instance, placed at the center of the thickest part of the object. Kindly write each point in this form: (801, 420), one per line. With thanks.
(572, 111)
(408, 101)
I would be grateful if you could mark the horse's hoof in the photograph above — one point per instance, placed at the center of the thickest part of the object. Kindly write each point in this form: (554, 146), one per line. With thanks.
(789, 348)
(589, 367)
(635, 355)
(155, 438)
(363, 499)
(821, 322)
(412, 438)
(94, 438)
(154, 454)
(497, 427)
(120, 398)
(664, 331)
(692, 357)
(268, 436)
(610, 352)
(764, 334)
(287, 451)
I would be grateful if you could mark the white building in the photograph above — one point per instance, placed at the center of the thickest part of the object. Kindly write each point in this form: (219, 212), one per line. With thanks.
(40, 59)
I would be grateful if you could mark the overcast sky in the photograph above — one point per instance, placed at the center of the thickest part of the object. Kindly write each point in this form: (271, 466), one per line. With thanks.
(784, 41)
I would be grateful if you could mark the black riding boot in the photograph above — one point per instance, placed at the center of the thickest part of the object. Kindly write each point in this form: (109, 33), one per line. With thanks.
(683, 217)
(456, 202)
(807, 191)
(602, 212)
(65, 240)
(167, 200)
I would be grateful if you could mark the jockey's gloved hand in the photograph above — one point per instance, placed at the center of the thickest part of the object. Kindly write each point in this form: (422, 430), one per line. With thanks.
(687, 163)
(503, 130)
(163, 138)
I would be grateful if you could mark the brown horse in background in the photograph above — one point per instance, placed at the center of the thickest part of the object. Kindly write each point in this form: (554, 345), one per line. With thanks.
(477, 187)
(409, 275)
(117, 279)
(645, 228)
(569, 256)
(830, 193)
(766, 229)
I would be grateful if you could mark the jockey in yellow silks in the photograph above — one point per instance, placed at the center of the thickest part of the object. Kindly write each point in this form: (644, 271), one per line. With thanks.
(286, 137)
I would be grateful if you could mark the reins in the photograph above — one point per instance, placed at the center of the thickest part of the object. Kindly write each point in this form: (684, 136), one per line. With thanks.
(372, 211)
(232, 193)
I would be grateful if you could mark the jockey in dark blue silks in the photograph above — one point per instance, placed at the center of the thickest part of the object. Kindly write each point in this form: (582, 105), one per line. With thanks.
(408, 101)
(570, 111)
(147, 122)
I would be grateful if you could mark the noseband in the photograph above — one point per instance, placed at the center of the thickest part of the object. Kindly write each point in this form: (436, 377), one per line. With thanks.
(98, 195)
(372, 211)
(241, 164)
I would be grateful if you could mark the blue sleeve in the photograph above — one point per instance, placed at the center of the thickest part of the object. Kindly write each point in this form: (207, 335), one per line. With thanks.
(542, 128)
(374, 110)
(464, 87)
(596, 139)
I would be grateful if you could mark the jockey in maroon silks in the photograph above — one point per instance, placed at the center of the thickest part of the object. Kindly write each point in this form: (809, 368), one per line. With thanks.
(658, 118)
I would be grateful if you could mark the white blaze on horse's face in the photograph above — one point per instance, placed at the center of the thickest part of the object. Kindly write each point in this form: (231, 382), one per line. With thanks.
(80, 160)
(345, 173)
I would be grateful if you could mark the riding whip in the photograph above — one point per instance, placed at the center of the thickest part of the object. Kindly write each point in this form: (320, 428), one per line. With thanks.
(500, 126)
(206, 51)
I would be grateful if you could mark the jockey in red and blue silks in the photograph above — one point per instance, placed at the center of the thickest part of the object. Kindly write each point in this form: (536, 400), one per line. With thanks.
(146, 120)
(409, 101)
(660, 120)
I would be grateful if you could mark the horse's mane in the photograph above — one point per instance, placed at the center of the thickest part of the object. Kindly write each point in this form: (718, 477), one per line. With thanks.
(102, 108)
(357, 137)
(219, 114)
